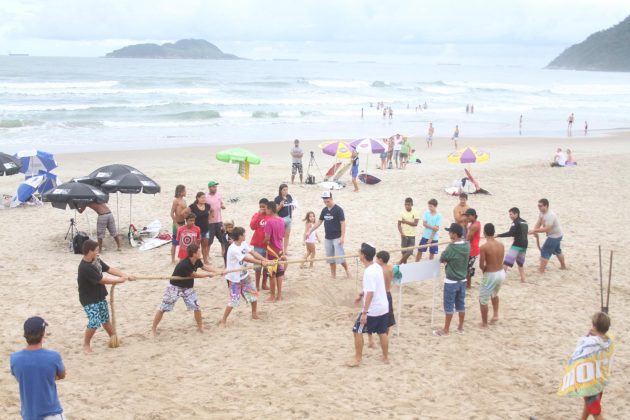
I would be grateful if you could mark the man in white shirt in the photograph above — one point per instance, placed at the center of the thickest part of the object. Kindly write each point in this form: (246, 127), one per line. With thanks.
(560, 159)
(374, 316)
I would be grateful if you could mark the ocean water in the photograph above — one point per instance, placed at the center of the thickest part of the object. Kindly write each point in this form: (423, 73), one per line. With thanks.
(80, 104)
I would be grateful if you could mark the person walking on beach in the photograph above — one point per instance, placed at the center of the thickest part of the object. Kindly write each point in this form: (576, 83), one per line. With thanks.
(407, 222)
(383, 154)
(491, 265)
(430, 132)
(354, 172)
(335, 233)
(105, 221)
(184, 288)
(473, 235)
(455, 256)
(257, 224)
(178, 216)
(397, 145)
(431, 221)
(520, 125)
(390, 152)
(455, 136)
(201, 210)
(570, 121)
(548, 223)
(240, 282)
(274, 237)
(374, 317)
(296, 158)
(459, 212)
(215, 220)
(405, 147)
(516, 253)
(585, 127)
(284, 205)
(92, 291)
(36, 370)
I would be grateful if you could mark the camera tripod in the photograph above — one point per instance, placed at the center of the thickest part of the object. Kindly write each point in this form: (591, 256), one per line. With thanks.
(312, 163)
(72, 230)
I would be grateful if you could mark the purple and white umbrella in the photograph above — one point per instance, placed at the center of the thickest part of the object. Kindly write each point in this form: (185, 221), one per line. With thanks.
(369, 146)
(468, 155)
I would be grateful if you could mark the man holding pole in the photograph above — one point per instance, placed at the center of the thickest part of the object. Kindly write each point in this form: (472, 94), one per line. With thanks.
(548, 223)
(374, 317)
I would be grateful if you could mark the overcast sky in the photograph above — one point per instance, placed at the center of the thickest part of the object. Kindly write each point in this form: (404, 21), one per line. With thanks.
(255, 28)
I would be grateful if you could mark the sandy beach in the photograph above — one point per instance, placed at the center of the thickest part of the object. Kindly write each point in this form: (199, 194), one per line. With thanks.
(291, 364)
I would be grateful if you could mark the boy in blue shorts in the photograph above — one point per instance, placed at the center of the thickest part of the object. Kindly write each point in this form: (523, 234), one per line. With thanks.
(456, 258)
(431, 220)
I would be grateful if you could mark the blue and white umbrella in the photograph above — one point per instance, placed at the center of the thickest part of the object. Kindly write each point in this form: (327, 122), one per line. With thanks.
(26, 190)
(34, 161)
(49, 182)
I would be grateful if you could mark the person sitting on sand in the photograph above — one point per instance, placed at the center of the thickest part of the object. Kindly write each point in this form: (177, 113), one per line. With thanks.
(559, 160)
(374, 317)
(92, 291)
(240, 282)
(455, 256)
(491, 264)
(570, 161)
(184, 288)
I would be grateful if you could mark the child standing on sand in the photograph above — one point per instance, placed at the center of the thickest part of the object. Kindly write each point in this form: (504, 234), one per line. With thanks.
(309, 239)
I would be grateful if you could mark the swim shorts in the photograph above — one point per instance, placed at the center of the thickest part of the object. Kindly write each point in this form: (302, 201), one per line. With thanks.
(172, 293)
(174, 240)
(432, 249)
(594, 404)
(246, 288)
(97, 313)
(373, 325)
(105, 222)
(515, 254)
(406, 242)
(334, 249)
(490, 286)
(471, 266)
(454, 296)
(390, 301)
(263, 253)
(551, 247)
(295, 168)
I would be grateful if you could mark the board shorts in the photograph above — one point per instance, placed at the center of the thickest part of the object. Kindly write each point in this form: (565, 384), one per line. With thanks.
(246, 288)
(172, 293)
(216, 231)
(383, 155)
(429, 139)
(551, 247)
(334, 249)
(354, 171)
(175, 226)
(471, 265)
(406, 242)
(490, 286)
(515, 254)
(263, 253)
(454, 296)
(432, 249)
(105, 222)
(373, 325)
(296, 167)
(403, 155)
(390, 301)
(97, 314)
(287, 222)
(594, 404)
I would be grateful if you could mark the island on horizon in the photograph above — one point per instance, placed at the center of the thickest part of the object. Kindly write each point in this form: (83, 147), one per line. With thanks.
(197, 49)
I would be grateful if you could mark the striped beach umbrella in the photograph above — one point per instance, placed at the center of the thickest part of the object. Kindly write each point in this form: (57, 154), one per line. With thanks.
(468, 155)
(34, 161)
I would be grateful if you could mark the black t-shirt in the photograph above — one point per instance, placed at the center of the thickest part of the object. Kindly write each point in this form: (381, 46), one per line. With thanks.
(185, 268)
(332, 221)
(287, 210)
(202, 217)
(89, 275)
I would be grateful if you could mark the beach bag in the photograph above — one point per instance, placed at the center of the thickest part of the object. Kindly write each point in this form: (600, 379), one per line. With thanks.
(310, 179)
(77, 242)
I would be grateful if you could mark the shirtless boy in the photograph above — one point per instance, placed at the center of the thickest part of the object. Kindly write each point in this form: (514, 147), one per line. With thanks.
(460, 209)
(178, 216)
(491, 264)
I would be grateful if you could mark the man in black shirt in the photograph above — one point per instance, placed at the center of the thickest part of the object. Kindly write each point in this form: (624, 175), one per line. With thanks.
(518, 230)
(92, 291)
(335, 233)
(187, 267)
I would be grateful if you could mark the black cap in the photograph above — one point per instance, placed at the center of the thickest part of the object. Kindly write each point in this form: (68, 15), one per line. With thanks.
(368, 250)
(34, 325)
(456, 229)
(471, 212)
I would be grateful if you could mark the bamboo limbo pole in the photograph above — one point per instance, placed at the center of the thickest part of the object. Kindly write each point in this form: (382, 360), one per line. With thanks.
(605, 308)
(601, 281)
(113, 340)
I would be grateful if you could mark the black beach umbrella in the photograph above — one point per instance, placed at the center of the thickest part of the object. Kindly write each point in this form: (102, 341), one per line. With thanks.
(105, 173)
(131, 183)
(74, 195)
(9, 165)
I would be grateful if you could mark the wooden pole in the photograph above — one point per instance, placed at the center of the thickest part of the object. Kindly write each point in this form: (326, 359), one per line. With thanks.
(609, 280)
(601, 281)
(113, 340)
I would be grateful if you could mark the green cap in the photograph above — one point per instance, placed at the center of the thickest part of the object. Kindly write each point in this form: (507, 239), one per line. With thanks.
(212, 183)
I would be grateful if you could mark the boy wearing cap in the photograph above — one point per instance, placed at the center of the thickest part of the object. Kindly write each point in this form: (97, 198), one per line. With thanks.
(473, 235)
(36, 369)
(215, 220)
(456, 258)
(374, 317)
(335, 233)
(491, 264)
(92, 291)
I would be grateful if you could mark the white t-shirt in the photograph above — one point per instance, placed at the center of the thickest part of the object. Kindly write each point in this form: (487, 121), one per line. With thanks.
(562, 158)
(374, 281)
(398, 143)
(550, 219)
(235, 259)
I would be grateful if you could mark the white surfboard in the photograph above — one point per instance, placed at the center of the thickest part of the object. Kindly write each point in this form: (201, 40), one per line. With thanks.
(153, 243)
(331, 185)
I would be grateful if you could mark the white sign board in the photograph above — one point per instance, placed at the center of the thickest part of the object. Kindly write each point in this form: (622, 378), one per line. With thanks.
(415, 272)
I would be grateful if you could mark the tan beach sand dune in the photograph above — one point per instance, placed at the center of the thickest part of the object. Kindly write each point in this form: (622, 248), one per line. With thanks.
(291, 363)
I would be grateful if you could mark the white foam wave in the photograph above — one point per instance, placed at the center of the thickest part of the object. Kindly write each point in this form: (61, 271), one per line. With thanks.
(56, 85)
(108, 91)
(352, 84)
(73, 107)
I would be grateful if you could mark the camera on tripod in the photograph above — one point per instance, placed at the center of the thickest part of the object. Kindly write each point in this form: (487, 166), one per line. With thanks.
(312, 154)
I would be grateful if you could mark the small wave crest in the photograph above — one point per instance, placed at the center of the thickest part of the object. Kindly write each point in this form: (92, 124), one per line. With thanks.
(19, 123)
(265, 114)
(195, 115)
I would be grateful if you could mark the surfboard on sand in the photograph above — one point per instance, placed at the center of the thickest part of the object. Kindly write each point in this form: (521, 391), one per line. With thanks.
(331, 185)
(369, 179)
(153, 243)
(333, 169)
